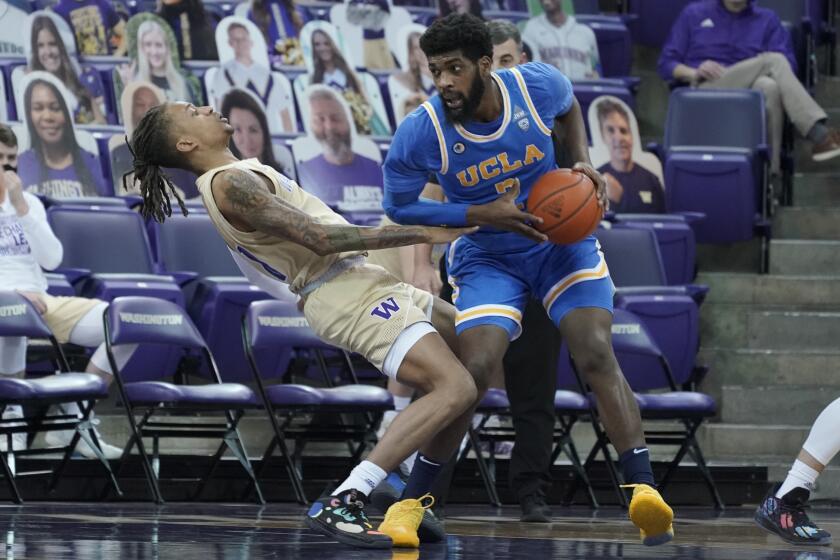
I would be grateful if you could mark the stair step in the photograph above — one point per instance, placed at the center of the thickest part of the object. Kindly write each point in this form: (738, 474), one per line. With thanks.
(743, 326)
(798, 257)
(752, 443)
(807, 222)
(792, 404)
(772, 367)
(827, 91)
(744, 256)
(813, 189)
(771, 290)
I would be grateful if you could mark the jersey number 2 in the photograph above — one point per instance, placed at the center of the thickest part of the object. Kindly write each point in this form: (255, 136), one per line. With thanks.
(504, 186)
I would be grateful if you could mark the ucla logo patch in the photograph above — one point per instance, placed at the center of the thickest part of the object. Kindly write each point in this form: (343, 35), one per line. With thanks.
(458, 148)
(385, 308)
(518, 112)
(524, 124)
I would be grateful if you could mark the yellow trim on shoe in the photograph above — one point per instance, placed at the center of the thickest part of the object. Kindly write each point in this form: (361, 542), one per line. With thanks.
(651, 514)
(403, 519)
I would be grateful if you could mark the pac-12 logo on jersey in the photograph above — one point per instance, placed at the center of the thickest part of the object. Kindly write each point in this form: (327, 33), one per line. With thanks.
(385, 308)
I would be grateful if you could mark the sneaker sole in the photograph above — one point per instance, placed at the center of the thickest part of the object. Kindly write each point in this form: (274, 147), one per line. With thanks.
(654, 517)
(771, 528)
(824, 156)
(343, 538)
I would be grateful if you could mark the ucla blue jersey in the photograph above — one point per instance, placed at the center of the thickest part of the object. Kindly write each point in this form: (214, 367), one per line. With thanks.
(477, 162)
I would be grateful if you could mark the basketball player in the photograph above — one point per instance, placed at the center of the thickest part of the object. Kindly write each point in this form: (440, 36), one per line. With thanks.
(277, 233)
(488, 137)
(783, 510)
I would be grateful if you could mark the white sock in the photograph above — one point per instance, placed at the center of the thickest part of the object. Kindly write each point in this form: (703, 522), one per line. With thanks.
(364, 478)
(823, 442)
(800, 475)
(400, 403)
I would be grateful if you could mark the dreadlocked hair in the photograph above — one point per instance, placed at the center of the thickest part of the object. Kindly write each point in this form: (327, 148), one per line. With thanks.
(149, 147)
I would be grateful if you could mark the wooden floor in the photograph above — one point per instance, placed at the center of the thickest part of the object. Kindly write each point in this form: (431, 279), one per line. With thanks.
(128, 531)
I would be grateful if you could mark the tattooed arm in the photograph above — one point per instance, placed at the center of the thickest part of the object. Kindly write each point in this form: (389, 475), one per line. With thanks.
(245, 202)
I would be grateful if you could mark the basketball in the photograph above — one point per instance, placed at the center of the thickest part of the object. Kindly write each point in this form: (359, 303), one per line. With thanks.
(567, 203)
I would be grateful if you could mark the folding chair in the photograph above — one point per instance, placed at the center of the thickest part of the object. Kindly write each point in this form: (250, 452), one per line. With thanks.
(19, 318)
(569, 407)
(272, 327)
(133, 320)
(646, 368)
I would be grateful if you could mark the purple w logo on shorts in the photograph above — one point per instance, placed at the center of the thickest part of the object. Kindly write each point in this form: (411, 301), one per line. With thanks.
(385, 308)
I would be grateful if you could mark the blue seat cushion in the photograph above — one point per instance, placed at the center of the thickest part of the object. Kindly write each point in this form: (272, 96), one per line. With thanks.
(570, 401)
(212, 394)
(676, 402)
(293, 395)
(63, 386)
(495, 399)
(357, 396)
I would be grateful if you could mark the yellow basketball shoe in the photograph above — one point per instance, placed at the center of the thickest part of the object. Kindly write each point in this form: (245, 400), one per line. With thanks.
(650, 513)
(403, 518)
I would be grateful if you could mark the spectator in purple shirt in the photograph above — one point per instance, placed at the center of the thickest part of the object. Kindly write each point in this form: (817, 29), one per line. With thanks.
(736, 44)
(340, 177)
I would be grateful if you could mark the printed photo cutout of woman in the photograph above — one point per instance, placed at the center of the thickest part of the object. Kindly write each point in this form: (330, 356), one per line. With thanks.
(251, 134)
(47, 51)
(54, 163)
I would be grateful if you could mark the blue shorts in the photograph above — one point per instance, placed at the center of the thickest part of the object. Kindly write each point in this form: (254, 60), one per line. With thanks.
(492, 288)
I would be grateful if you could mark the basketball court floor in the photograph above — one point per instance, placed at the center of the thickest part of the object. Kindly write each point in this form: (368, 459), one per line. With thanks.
(128, 531)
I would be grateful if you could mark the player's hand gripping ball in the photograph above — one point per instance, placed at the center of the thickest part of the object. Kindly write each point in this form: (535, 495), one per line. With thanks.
(567, 202)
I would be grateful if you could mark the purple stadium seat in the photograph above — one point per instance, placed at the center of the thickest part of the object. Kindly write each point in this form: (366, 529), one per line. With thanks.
(669, 312)
(677, 243)
(273, 326)
(19, 318)
(646, 368)
(121, 266)
(145, 320)
(614, 44)
(715, 162)
(107, 255)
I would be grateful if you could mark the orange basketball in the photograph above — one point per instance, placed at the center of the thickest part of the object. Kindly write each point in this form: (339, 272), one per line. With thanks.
(567, 204)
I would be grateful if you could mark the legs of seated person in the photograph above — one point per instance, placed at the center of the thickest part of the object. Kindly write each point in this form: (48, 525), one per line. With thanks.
(775, 113)
(88, 331)
(797, 103)
(79, 321)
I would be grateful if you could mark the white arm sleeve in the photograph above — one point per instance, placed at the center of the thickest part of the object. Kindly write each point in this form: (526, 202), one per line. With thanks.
(45, 245)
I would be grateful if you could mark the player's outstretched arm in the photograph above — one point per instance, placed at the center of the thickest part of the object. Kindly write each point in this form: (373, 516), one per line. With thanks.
(244, 201)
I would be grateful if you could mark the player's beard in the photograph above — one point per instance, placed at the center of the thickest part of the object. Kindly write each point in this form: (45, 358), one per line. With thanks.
(471, 102)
